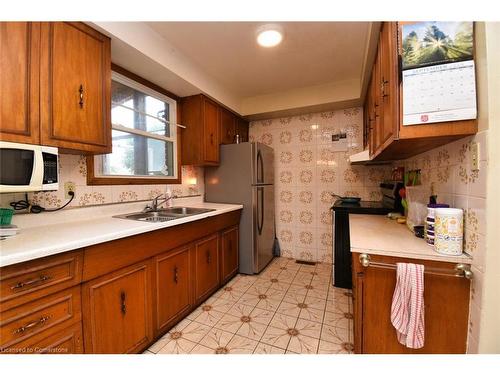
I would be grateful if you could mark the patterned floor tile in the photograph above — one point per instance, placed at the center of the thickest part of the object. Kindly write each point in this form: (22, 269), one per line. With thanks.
(309, 328)
(301, 344)
(334, 335)
(336, 320)
(229, 323)
(277, 337)
(290, 308)
(315, 315)
(228, 293)
(179, 346)
(267, 349)
(252, 330)
(241, 345)
(326, 347)
(200, 349)
(216, 339)
(208, 316)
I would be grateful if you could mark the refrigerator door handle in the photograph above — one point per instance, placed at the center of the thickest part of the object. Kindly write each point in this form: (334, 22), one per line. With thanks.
(260, 168)
(260, 209)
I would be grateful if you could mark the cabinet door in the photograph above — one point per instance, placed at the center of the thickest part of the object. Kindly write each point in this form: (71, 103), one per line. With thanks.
(242, 129)
(75, 85)
(227, 127)
(210, 111)
(206, 267)
(446, 299)
(375, 107)
(19, 82)
(117, 311)
(172, 286)
(229, 254)
(388, 83)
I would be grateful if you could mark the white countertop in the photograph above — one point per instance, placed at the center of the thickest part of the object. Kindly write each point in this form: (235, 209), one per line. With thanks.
(37, 241)
(374, 234)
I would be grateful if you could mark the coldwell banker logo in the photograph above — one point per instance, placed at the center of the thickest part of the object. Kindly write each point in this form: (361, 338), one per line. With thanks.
(424, 118)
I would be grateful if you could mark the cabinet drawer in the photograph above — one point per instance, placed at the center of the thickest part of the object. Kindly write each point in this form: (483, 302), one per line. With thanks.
(27, 281)
(67, 341)
(41, 318)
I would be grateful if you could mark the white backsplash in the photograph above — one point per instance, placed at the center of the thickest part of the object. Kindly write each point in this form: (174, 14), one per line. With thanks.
(74, 168)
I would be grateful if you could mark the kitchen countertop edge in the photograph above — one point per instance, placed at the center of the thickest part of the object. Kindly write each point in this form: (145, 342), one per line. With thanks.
(9, 255)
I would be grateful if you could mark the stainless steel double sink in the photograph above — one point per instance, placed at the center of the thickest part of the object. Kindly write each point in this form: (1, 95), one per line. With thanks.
(164, 214)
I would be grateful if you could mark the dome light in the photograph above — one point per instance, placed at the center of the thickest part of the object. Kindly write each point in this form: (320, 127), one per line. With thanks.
(269, 36)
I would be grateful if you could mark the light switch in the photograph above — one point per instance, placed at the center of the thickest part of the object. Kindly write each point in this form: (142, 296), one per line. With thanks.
(474, 156)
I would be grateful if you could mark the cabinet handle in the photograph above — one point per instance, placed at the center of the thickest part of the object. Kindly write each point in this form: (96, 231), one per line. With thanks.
(211, 138)
(123, 307)
(80, 90)
(32, 324)
(176, 275)
(209, 257)
(22, 284)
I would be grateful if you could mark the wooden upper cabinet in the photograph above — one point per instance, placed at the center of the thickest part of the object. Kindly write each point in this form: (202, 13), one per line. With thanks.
(200, 139)
(117, 311)
(388, 138)
(19, 82)
(388, 83)
(173, 280)
(75, 86)
(227, 126)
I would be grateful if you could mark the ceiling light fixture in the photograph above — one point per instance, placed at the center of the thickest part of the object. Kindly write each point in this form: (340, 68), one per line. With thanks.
(269, 35)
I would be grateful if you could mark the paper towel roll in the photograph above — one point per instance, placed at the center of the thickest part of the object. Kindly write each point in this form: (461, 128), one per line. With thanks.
(449, 231)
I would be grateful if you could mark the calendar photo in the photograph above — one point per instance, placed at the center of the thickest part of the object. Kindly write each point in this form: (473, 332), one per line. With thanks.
(433, 43)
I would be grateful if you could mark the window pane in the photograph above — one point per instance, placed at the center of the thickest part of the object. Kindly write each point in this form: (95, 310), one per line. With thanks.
(134, 109)
(135, 155)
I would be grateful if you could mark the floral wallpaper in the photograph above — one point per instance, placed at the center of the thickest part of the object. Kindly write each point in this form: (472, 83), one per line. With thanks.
(73, 168)
(309, 167)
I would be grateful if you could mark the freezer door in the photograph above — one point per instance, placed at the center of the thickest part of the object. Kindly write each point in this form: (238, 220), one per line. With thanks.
(263, 208)
(263, 164)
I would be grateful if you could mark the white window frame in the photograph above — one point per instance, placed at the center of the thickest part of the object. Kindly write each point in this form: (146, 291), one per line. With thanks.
(172, 105)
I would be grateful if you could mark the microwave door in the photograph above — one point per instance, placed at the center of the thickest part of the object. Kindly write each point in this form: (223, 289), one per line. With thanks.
(21, 168)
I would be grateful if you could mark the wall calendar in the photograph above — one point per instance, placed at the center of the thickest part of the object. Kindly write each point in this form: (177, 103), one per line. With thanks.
(438, 72)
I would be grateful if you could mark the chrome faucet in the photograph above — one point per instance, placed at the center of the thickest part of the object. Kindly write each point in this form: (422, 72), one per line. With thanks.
(156, 202)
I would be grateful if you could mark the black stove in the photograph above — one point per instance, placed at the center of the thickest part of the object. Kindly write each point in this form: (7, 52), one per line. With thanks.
(391, 202)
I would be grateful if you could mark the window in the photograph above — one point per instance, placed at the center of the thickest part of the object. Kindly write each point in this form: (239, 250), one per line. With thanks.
(144, 136)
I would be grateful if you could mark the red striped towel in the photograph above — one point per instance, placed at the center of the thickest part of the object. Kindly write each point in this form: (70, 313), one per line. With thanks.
(407, 310)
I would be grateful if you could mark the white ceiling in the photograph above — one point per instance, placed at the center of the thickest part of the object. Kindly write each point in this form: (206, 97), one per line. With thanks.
(311, 53)
(318, 66)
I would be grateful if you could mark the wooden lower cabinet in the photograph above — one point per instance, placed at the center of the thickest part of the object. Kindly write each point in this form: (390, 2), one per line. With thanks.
(229, 254)
(173, 297)
(118, 296)
(446, 299)
(117, 311)
(206, 267)
(24, 326)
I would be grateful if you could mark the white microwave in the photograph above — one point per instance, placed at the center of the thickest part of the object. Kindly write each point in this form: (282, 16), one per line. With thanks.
(26, 167)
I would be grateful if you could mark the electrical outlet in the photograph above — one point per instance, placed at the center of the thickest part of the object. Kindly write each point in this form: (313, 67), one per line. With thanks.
(474, 156)
(69, 186)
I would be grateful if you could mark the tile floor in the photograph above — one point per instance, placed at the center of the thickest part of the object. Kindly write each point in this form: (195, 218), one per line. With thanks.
(288, 308)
